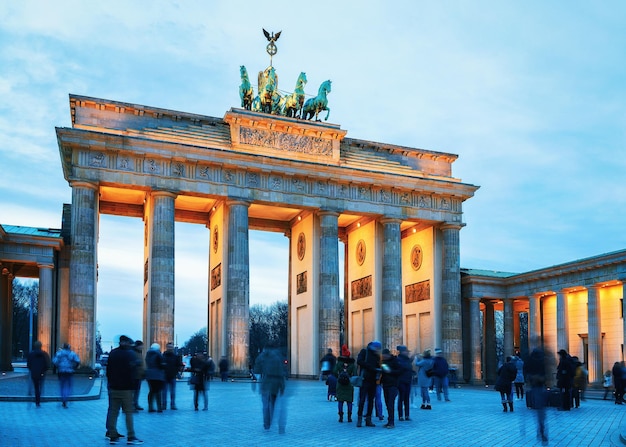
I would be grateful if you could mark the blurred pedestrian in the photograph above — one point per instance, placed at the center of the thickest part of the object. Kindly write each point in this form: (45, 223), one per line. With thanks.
(172, 365)
(269, 366)
(37, 362)
(327, 364)
(331, 382)
(579, 383)
(504, 384)
(223, 366)
(565, 378)
(66, 362)
(617, 382)
(391, 371)
(607, 383)
(519, 378)
(344, 370)
(425, 364)
(535, 373)
(121, 374)
(198, 380)
(440, 375)
(369, 362)
(140, 374)
(155, 376)
(404, 382)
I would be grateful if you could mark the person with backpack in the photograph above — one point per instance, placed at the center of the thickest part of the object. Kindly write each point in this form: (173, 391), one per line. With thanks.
(424, 363)
(440, 374)
(404, 382)
(344, 369)
(504, 384)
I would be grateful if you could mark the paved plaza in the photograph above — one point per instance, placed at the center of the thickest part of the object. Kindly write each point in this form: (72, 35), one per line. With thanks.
(474, 417)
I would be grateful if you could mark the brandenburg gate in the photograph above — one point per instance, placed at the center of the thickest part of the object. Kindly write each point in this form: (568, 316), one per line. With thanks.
(398, 211)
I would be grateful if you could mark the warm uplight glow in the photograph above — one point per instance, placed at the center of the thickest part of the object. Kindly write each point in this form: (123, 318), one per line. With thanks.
(299, 218)
(358, 225)
(414, 231)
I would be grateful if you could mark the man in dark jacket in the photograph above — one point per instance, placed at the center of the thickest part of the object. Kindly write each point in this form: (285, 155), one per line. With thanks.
(391, 370)
(404, 382)
(121, 374)
(172, 363)
(369, 362)
(564, 379)
(440, 371)
(38, 362)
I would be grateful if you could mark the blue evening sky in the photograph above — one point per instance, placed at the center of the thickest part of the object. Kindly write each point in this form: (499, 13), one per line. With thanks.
(530, 95)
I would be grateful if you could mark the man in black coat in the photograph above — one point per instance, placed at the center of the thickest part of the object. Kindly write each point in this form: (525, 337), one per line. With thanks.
(370, 365)
(38, 362)
(172, 363)
(564, 379)
(121, 375)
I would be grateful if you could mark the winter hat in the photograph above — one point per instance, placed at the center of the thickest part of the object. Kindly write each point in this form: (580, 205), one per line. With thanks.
(345, 351)
(155, 347)
(401, 348)
(376, 345)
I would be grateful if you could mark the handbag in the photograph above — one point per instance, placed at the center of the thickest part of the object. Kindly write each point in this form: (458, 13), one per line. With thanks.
(356, 381)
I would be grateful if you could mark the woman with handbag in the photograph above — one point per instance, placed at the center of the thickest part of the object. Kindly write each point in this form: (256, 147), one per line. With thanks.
(425, 364)
(344, 370)
(199, 371)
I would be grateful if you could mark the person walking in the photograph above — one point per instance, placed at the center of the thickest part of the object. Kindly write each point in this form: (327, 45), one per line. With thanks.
(579, 383)
(369, 362)
(223, 366)
(269, 366)
(391, 370)
(121, 373)
(404, 382)
(617, 382)
(345, 368)
(519, 378)
(506, 375)
(38, 363)
(141, 371)
(155, 375)
(172, 364)
(440, 375)
(565, 378)
(327, 364)
(66, 362)
(535, 373)
(607, 382)
(425, 364)
(199, 375)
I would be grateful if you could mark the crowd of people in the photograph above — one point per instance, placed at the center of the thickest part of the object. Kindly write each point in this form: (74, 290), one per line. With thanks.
(375, 377)
(381, 376)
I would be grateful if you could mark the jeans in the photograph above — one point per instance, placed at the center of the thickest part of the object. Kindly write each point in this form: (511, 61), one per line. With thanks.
(65, 383)
(120, 399)
(38, 386)
(404, 397)
(274, 404)
(171, 385)
(391, 392)
(441, 385)
(367, 392)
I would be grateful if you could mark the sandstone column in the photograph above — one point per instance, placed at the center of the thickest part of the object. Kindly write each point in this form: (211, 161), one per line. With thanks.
(490, 366)
(594, 329)
(475, 348)
(508, 328)
(534, 321)
(562, 322)
(44, 309)
(392, 284)
(328, 282)
(83, 271)
(160, 300)
(238, 286)
(451, 328)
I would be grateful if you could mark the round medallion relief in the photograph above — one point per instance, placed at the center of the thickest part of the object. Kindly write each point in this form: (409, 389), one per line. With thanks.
(215, 238)
(360, 252)
(301, 246)
(416, 257)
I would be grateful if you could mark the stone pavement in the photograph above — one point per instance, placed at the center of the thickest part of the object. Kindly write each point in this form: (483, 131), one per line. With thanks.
(473, 418)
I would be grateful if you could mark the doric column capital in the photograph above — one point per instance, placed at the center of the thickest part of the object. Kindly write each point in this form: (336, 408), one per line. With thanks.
(452, 225)
(82, 184)
(159, 193)
(45, 266)
(241, 202)
(327, 213)
(390, 220)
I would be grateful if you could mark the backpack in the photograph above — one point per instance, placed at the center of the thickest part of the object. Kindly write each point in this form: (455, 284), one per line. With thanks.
(344, 377)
